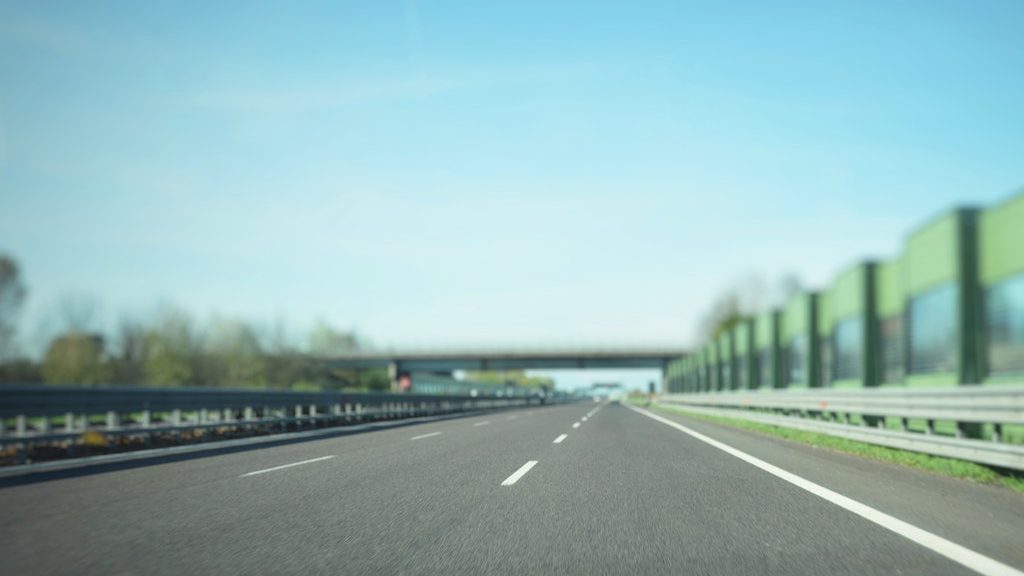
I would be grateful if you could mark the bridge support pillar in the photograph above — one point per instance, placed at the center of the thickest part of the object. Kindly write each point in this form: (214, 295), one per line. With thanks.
(401, 381)
(393, 376)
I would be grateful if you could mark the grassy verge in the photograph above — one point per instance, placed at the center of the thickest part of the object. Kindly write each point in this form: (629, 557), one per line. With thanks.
(935, 464)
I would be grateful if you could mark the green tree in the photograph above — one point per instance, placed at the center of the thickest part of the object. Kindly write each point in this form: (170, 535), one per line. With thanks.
(172, 352)
(375, 379)
(511, 377)
(725, 313)
(744, 299)
(129, 362)
(287, 367)
(325, 340)
(234, 356)
(12, 296)
(21, 371)
(76, 358)
(284, 366)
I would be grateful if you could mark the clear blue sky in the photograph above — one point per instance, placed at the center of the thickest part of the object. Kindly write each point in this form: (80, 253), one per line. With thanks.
(487, 173)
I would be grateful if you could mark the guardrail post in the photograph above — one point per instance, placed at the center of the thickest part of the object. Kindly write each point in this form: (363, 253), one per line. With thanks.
(44, 425)
(203, 418)
(146, 422)
(20, 425)
(313, 414)
(929, 426)
(69, 421)
(903, 424)
(997, 432)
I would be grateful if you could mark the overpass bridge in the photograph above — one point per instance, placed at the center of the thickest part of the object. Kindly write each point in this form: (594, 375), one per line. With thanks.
(448, 360)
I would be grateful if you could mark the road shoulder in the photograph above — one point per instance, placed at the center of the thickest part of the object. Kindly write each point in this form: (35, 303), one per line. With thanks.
(982, 517)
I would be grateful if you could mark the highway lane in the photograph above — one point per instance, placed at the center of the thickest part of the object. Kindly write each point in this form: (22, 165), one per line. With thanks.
(619, 492)
(200, 513)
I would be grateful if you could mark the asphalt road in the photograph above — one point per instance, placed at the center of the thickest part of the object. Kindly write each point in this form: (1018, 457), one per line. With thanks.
(620, 493)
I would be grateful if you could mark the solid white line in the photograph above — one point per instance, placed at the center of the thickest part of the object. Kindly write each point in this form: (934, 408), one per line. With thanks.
(484, 423)
(422, 436)
(575, 424)
(285, 466)
(584, 418)
(560, 438)
(519, 473)
(978, 562)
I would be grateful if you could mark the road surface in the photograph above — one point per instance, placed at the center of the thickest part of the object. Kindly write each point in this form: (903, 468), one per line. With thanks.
(577, 489)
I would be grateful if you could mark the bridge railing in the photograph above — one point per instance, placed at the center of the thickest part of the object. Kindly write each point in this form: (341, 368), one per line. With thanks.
(31, 416)
(887, 417)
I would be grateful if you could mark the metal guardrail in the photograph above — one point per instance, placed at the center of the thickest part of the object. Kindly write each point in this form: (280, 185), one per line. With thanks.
(831, 412)
(28, 413)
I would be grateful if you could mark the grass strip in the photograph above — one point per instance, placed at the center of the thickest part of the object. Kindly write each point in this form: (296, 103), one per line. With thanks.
(936, 464)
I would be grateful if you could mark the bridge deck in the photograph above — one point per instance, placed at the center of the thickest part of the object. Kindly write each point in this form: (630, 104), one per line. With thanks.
(430, 361)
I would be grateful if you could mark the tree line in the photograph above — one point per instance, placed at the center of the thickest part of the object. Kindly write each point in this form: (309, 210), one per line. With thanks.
(173, 349)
